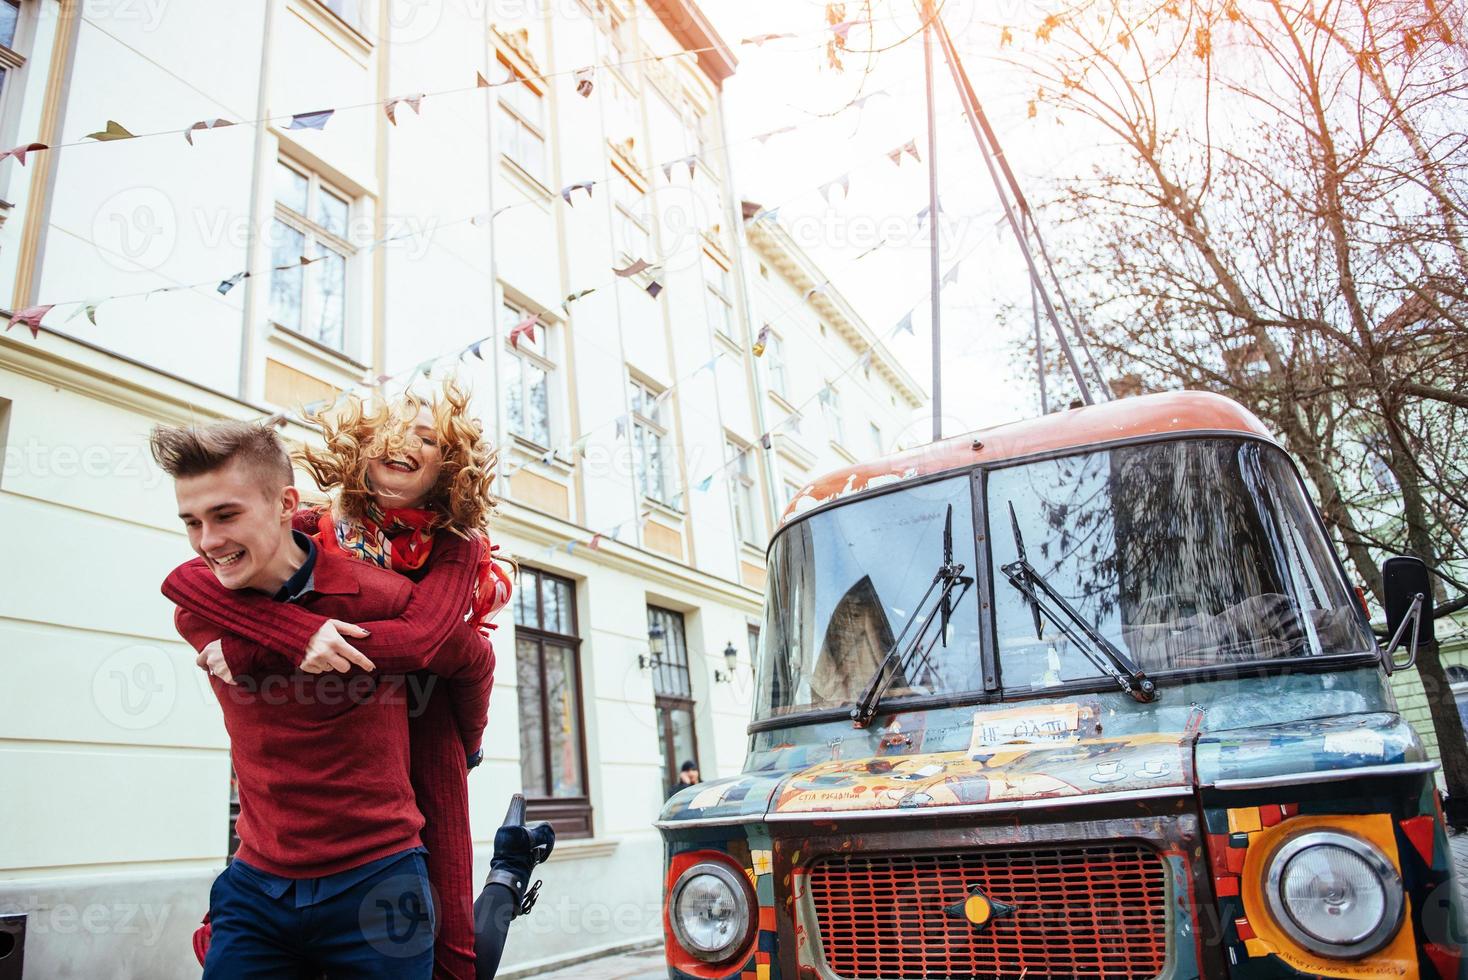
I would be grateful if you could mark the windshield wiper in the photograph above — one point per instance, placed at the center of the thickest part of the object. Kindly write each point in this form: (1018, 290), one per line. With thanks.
(948, 577)
(1043, 598)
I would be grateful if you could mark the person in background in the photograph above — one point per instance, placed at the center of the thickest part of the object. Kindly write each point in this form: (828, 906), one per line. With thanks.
(687, 776)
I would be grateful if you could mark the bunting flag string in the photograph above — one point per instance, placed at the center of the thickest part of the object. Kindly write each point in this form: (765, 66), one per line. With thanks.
(318, 118)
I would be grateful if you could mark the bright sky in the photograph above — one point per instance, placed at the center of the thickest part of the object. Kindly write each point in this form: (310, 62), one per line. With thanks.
(787, 82)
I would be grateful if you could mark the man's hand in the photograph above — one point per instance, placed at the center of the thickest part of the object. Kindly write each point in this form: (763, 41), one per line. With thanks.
(211, 658)
(328, 651)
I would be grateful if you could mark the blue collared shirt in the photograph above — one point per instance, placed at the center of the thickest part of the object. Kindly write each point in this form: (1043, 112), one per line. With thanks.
(303, 578)
(314, 891)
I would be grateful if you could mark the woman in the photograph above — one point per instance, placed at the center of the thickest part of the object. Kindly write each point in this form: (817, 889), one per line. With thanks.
(410, 485)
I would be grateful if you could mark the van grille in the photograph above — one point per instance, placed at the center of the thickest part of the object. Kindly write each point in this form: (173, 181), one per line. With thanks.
(1078, 912)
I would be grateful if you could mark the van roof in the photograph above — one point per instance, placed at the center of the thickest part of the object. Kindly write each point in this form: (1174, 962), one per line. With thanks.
(1162, 414)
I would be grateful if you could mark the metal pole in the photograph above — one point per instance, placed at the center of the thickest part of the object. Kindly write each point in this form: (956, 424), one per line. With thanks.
(1039, 350)
(970, 105)
(936, 293)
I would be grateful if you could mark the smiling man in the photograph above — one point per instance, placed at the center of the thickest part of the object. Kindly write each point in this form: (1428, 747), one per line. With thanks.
(330, 875)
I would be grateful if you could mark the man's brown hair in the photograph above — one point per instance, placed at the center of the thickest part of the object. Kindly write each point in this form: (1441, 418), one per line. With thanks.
(193, 450)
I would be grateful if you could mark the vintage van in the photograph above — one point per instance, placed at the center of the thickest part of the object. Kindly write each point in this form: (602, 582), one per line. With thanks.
(1083, 696)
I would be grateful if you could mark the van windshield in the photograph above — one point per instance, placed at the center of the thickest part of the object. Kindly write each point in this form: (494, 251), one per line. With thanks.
(844, 583)
(1183, 554)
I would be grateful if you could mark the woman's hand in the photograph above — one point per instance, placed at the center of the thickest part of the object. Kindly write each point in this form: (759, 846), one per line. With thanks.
(211, 658)
(328, 651)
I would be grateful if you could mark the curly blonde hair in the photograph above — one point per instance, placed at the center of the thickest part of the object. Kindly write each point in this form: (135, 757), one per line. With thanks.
(356, 431)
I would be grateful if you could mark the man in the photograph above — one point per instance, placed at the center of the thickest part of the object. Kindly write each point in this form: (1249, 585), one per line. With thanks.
(687, 776)
(330, 874)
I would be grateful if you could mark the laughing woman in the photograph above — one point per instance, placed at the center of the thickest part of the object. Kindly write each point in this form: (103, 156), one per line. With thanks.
(410, 491)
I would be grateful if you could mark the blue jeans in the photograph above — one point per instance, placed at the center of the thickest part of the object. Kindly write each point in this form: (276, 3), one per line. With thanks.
(382, 926)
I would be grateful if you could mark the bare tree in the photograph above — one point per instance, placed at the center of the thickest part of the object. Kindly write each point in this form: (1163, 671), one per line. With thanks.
(1275, 209)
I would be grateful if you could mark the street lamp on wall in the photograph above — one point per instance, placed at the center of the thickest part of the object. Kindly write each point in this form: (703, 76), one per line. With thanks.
(731, 659)
(657, 643)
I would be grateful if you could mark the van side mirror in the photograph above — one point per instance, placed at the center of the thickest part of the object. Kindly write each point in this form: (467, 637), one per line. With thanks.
(1408, 588)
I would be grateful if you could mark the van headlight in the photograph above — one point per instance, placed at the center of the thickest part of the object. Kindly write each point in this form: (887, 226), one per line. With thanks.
(709, 912)
(1334, 894)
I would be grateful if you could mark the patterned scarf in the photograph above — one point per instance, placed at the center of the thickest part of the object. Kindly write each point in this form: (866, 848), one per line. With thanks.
(400, 539)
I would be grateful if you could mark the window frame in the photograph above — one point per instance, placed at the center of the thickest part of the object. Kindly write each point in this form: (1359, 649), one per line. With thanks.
(775, 377)
(317, 240)
(622, 208)
(749, 527)
(835, 425)
(540, 359)
(571, 816)
(668, 698)
(642, 423)
(537, 129)
(718, 292)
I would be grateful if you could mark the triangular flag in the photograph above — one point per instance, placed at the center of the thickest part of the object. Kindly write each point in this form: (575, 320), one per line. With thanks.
(425, 369)
(653, 288)
(391, 106)
(585, 185)
(668, 171)
(584, 78)
(843, 28)
(859, 103)
(824, 395)
(19, 152)
(814, 290)
(204, 124)
(595, 541)
(233, 281)
(571, 547)
(579, 446)
(909, 147)
(525, 328)
(89, 308)
(951, 276)
(904, 324)
(844, 180)
(711, 363)
(573, 297)
(474, 349)
(548, 457)
(759, 39)
(705, 483)
(31, 317)
(765, 441)
(692, 161)
(621, 426)
(775, 132)
(760, 339)
(114, 131)
(641, 265)
(311, 120)
(480, 81)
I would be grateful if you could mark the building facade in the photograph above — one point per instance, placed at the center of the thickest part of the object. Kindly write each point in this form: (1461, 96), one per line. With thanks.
(353, 195)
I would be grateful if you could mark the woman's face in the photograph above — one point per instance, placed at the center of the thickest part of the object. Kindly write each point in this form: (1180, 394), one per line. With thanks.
(404, 478)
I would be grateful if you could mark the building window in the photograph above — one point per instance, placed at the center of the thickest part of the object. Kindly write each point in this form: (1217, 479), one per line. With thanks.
(632, 220)
(649, 441)
(834, 424)
(521, 131)
(350, 11)
(792, 490)
(312, 220)
(717, 295)
(751, 640)
(528, 371)
(876, 433)
(10, 59)
(775, 362)
(552, 730)
(748, 515)
(673, 694)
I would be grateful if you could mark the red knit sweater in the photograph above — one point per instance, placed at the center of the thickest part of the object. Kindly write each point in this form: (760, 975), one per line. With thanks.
(322, 760)
(428, 630)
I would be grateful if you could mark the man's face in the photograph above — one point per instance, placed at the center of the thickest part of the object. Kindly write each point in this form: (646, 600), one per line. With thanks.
(236, 524)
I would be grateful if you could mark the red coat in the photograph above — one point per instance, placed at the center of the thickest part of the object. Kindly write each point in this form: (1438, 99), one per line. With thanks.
(427, 630)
